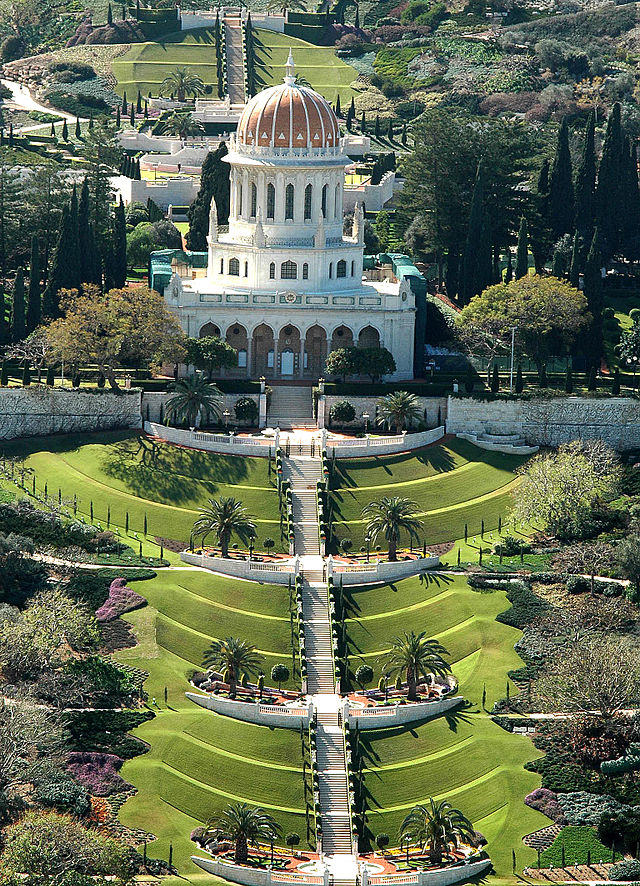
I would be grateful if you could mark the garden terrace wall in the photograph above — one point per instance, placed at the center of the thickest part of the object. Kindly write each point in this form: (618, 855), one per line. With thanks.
(440, 877)
(263, 714)
(384, 571)
(359, 447)
(550, 422)
(435, 408)
(39, 410)
(384, 717)
(248, 876)
(223, 443)
(275, 573)
(154, 401)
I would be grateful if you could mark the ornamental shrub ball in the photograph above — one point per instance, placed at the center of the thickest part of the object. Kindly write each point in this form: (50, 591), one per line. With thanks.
(342, 412)
(246, 409)
(629, 869)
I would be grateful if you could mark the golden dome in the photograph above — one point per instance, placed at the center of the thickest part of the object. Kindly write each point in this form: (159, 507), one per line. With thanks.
(288, 116)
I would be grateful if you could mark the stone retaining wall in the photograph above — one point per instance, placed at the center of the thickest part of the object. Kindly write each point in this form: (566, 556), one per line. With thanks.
(265, 715)
(435, 407)
(399, 714)
(153, 400)
(39, 410)
(541, 422)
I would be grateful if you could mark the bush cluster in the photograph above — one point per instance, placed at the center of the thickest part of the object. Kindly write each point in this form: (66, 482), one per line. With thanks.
(629, 869)
(106, 731)
(121, 599)
(96, 772)
(546, 801)
(48, 528)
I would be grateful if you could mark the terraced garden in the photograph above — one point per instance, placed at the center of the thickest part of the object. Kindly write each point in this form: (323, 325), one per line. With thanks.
(115, 474)
(454, 483)
(463, 757)
(198, 761)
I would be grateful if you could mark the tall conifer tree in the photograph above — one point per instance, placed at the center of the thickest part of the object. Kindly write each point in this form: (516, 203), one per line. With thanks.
(214, 182)
(74, 270)
(4, 326)
(522, 252)
(34, 306)
(586, 182)
(89, 255)
(476, 263)
(18, 327)
(561, 198)
(630, 233)
(593, 290)
(609, 194)
(119, 247)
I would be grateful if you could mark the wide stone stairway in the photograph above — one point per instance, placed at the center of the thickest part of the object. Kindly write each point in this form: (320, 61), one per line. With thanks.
(235, 64)
(291, 407)
(304, 471)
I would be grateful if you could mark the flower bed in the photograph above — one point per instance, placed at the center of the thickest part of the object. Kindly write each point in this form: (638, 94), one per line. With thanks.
(96, 772)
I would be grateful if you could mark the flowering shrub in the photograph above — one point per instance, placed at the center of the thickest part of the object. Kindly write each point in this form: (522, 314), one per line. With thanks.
(584, 808)
(546, 801)
(121, 599)
(98, 773)
(99, 813)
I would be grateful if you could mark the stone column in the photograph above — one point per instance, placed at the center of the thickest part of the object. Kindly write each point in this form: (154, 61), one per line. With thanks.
(302, 341)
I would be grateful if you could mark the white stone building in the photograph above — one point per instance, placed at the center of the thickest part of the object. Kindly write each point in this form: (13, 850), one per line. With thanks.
(284, 286)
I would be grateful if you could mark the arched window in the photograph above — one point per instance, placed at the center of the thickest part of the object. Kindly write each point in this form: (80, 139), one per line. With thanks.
(305, 271)
(246, 269)
(325, 191)
(353, 268)
(341, 268)
(308, 191)
(254, 200)
(288, 201)
(272, 271)
(222, 266)
(336, 207)
(242, 358)
(330, 270)
(271, 201)
(239, 211)
(234, 267)
(288, 270)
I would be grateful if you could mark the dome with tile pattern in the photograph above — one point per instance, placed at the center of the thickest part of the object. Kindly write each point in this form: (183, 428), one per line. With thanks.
(288, 116)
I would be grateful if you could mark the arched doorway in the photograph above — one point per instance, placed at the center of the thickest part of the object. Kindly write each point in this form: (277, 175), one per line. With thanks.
(263, 349)
(238, 339)
(289, 351)
(209, 329)
(315, 352)
(369, 338)
(342, 338)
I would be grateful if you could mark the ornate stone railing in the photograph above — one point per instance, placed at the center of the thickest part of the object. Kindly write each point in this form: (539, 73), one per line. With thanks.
(288, 717)
(276, 572)
(364, 573)
(381, 717)
(455, 873)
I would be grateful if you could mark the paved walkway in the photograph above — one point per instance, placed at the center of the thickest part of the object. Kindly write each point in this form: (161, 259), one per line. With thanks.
(235, 63)
(337, 844)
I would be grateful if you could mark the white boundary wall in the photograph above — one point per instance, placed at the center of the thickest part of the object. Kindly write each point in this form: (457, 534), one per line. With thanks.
(399, 714)
(264, 714)
(384, 571)
(361, 447)
(269, 573)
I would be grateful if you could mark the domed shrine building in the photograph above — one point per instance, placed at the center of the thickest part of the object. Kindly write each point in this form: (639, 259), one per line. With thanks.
(284, 285)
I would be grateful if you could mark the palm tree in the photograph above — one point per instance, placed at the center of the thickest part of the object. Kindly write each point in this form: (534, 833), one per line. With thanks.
(225, 517)
(390, 517)
(243, 824)
(400, 408)
(301, 80)
(436, 825)
(193, 396)
(181, 124)
(416, 656)
(183, 83)
(235, 656)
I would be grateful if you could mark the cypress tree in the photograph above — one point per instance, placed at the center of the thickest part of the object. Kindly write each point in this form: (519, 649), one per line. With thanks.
(90, 121)
(18, 327)
(352, 107)
(118, 116)
(508, 274)
(476, 261)
(519, 385)
(522, 252)
(53, 130)
(119, 247)
(89, 254)
(593, 291)
(109, 15)
(540, 235)
(138, 175)
(390, 129)
(568, 380)
(65, 130)
(576, 260)
(132, 116)
(338, 108)
(74, 271)
(214, 183)
(65, 267)
(592, 384)
(11, 135)
(78, 129)
(34, 304)
(349, 122)
(404, 134)
(146, 109)
(125, 106)
(557, 266)
(630, 233)
(495, 379)
(561, 199)
(609, 196)
(357, 20)
(586, 182)
(376, 130)
(363, 123)
(139, 103)
(615, 388)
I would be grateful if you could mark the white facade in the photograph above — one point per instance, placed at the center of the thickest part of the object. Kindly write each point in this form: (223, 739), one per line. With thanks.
(284, 285)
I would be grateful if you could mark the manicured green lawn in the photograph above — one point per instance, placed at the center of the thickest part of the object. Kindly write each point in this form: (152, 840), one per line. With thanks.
(145, 65)
(111, 471)
(198, 761)
(326, 73)
(577, 841)
(463, 757)
(453, 483)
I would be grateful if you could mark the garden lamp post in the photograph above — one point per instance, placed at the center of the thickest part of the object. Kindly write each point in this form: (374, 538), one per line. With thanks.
(226, 415)
(366, 416)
